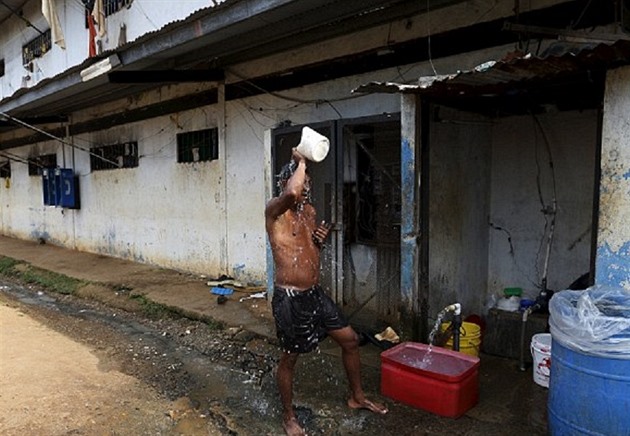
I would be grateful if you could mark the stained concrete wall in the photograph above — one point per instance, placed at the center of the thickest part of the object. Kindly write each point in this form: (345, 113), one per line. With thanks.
(534, 162)
(613, 239)
(204, 217)
(207, 217)
(459, 206)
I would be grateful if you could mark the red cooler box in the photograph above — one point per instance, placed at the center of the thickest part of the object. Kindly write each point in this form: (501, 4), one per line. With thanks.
(438, 380)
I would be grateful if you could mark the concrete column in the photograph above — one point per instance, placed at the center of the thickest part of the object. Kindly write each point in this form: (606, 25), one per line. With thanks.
(412, 291)
(612, 266)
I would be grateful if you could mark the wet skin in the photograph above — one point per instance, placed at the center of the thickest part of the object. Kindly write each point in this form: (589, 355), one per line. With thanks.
(296, 241)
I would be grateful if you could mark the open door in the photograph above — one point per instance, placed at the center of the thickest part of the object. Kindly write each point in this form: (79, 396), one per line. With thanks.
(372, 219)
(357, 188)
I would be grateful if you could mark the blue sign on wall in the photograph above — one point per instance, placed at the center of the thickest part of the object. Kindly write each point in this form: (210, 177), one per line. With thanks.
(60, 187)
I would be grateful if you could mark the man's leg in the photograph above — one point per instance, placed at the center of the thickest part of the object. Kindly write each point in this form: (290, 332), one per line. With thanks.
(285, 385)
(348, 340)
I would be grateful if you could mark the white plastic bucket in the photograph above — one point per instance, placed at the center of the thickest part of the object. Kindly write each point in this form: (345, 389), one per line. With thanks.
(313, 146)
(541, 354)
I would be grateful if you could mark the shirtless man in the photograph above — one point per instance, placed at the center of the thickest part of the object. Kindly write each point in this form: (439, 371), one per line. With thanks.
(304, 314)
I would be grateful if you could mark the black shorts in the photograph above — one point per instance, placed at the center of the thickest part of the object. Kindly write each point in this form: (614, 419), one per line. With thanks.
(303, 318)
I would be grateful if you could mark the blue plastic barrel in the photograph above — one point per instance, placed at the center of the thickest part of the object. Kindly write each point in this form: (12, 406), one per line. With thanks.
(589, 383)
(588, 395)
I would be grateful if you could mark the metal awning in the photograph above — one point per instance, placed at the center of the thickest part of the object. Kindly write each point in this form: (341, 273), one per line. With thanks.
(570, 74)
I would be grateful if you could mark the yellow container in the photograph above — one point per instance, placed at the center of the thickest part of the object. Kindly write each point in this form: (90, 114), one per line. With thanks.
(469, 338)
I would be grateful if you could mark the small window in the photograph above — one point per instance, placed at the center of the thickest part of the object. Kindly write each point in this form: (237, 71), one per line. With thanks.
(37, 163)
(36, 48)
(198, 146)
(109, 7)
(5, 169)
(109, 157)
(1, 67)
(113, 6)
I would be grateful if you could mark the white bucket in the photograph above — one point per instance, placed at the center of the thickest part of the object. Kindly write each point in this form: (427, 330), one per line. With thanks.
(541, 354)
(313, 146)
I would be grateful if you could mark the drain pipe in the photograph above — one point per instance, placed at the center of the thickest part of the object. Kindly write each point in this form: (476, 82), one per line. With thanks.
(457, 323)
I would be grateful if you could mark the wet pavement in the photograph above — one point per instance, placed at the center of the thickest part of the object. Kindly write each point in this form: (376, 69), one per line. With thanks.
(241, 390)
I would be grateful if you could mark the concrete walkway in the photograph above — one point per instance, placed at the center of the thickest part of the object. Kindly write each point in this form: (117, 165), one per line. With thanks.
(188, 294)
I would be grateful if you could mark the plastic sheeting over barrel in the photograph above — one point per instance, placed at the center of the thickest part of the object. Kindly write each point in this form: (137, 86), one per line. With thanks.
(590, 362)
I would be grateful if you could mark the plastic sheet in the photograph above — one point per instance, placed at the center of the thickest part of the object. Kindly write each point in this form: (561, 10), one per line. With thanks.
(595, 321)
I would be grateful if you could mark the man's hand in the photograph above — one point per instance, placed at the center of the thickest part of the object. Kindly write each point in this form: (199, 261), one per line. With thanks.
(321, 233)
(297, 156)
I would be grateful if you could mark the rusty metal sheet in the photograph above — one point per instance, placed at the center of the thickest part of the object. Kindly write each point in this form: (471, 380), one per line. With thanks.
(566, 60)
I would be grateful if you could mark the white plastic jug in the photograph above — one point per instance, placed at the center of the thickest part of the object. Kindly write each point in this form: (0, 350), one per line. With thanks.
(313, 146)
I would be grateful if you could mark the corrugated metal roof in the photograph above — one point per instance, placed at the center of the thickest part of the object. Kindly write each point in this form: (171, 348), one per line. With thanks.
(229, 32)
(499, 76)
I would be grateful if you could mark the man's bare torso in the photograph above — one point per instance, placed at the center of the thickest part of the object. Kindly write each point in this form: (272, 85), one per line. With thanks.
(296, 256)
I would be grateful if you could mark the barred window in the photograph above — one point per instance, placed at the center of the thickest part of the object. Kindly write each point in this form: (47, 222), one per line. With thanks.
(37, 163)
(112, 6)
(109, 7)
(5, 169)
(198, 146)
(36, 47)
(109, 157)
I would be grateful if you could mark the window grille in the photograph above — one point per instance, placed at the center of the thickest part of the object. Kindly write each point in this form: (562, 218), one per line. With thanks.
(36, 47)
(198, 146)
(109, 157)
(112, 6)
(5, 169)
(37, 163)
(109, 7)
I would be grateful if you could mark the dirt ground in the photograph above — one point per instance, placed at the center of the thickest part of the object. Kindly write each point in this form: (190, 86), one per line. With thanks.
(92, 364)
(50, 384)
(60, 375)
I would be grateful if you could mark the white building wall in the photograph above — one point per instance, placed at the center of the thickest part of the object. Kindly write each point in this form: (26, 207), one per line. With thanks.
(162, 212)
(208, 217)
(142, 16)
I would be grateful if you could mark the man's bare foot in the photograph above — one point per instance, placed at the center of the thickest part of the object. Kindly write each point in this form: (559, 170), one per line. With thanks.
(368, 405)
(292, 427)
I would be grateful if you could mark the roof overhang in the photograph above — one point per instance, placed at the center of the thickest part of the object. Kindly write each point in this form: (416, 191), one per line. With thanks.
(206, 42)
(571, 77)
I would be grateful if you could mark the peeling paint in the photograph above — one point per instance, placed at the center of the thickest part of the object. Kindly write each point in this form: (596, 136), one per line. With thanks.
(408, 243)
(613, 267)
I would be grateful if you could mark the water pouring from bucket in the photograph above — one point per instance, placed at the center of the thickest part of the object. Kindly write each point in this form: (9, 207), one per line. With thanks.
(313, 146)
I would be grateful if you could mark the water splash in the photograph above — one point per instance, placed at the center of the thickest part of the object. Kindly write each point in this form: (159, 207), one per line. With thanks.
(436, 326)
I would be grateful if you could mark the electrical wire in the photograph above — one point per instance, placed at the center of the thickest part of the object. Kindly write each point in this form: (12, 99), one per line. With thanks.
(291, 99)
(156, 27)
(573, 26)
(429, 39)
(554, 207)
(43, 132)
(15, 158)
